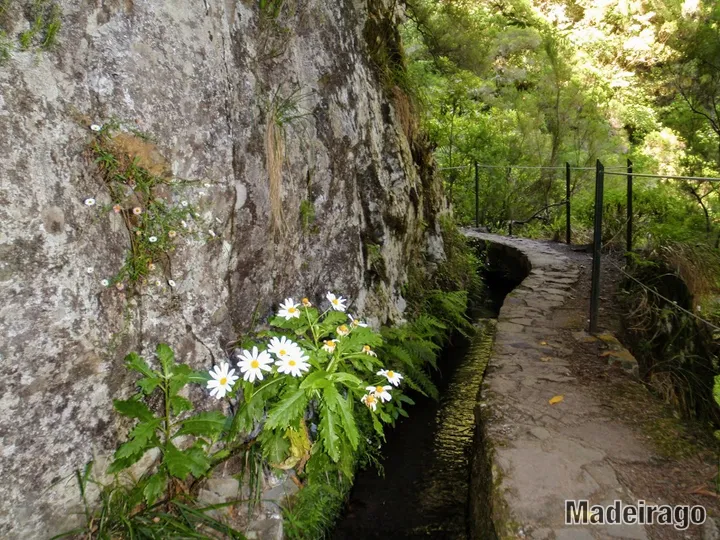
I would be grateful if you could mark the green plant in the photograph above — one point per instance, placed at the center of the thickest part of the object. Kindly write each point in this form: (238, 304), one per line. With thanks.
(45, 23)
(307, 214)
(6, 47)
(141, 192)
(159, 504)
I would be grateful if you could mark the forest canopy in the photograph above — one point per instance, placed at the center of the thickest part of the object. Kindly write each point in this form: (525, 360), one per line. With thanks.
(513, 83)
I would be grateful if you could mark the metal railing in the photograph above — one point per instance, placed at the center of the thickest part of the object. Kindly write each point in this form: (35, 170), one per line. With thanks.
(600, 173)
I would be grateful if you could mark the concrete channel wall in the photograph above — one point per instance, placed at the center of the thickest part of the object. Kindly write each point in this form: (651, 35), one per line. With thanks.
(546, 277)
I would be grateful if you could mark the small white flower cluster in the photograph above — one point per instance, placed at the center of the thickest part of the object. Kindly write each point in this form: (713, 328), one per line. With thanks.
(381, 392)
(291, 359)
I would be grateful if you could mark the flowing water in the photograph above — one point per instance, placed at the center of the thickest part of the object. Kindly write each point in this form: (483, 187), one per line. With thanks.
(424, 491)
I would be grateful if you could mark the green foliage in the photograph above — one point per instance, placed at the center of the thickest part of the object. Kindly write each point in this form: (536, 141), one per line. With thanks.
(314, 510)
(307, 215)
(154, 507)
(141, 192)
(43, 18)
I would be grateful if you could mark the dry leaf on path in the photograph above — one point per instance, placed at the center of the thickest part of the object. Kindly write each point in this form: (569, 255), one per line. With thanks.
(555, 399)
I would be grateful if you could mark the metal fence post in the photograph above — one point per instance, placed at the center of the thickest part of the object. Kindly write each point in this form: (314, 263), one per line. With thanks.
(629, 206)
(597, 240)
(567, 203)
(510, 212)
(477, 195)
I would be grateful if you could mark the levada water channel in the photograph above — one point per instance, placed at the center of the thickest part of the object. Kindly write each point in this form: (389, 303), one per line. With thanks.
(424, 490)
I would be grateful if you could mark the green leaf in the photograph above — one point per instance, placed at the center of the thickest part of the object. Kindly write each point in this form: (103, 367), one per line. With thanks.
(316, 379)
(329, 434)
(378, 426)
(141, 438)
(166, 356)
(133, 408)
(154, 487)
(180, 404)
(331, 397)
(135, 362)
(275, 446)
(180, 463)
(148, 384)
(348, 422)
(288, 410)
(348, 379)
(180, 377)
(204, 424)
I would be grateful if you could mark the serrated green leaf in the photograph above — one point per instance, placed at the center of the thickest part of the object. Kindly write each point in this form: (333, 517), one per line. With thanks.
(166, 356)
(154, 487)
(140, 439)
(348, 422)
(329, 434)
(406, 399)
(180, 377)
(133, 408)
(378, 426)
(290, 408)
(148, 384)
(275, 446)
(204, 424)
(385, 417)
(135, 362)
(179, 404)
(331, 397)
(180, 463)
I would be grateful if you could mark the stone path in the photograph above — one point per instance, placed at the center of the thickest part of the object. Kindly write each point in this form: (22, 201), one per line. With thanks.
(541, 454)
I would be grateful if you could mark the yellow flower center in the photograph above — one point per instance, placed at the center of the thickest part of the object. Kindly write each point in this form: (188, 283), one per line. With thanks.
(254, 364)
(291, 310)
(370, 400)
(292, 363)
(223, 381)
(356, 322)
(305, 301)
(366, 348)
(282, 352)
(335, 302)
(391, 374)
(343, 328)
(379, 389)
(330, 343)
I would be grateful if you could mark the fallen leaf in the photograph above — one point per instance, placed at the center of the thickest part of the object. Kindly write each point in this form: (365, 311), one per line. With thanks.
(545, 358)
(543, 343)
(556, 399)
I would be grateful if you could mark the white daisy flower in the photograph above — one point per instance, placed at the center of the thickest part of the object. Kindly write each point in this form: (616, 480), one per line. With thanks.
(90, 202)
(171, 282)
(89, 269)
(158, 283)
(184, 224)
(293, 365)
(184, 203)
(289, 309)
(222, 380)
(137, 210)
(211, 233)
(380, 392)
(172, 234)
(393, 377)
(152, 239)
(284, 347)
(105, 283)
(329, 345)
(151, 267)
(252, 364)
(119, 286)
(370, 401)
(95, 127)
(367, 350)
(354, 321)
(342, 330)
(305, 302)
(337, 302)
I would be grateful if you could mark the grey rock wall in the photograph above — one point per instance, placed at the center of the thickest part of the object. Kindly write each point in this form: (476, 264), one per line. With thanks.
(199, 76)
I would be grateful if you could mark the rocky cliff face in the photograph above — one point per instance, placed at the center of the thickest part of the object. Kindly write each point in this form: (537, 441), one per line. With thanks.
(205, 78)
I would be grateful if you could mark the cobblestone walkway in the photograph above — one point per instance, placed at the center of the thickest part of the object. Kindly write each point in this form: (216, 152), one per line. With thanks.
(543, 453)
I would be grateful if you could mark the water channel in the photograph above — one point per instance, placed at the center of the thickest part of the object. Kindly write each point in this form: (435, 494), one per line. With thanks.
(424, 491)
